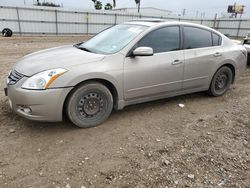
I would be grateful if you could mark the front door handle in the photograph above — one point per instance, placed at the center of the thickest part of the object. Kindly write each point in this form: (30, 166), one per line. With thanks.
(176, 62)
(217, 54)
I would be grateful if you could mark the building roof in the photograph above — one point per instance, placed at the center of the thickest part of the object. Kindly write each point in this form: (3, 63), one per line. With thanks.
(152, 8)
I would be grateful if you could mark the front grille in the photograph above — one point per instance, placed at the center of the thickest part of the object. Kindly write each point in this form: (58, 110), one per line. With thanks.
(14, 77)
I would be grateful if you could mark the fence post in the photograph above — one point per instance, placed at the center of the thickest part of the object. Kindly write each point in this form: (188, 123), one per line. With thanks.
(87, 27)
(215, 18)
(238, 30)
(115, 18)
(218, 25)
(18, 20)
(56, 16)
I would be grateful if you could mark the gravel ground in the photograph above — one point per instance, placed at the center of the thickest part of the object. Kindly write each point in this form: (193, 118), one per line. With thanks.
(156, 144)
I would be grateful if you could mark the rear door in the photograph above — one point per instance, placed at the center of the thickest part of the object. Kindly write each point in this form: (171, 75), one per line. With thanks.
(202, 51)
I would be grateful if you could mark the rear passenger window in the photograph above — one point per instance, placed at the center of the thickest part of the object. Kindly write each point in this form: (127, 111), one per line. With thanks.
(216, 39)
(162, 40)
(197, 38)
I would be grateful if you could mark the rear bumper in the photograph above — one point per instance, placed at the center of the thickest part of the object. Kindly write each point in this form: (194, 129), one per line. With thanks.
(38, 105)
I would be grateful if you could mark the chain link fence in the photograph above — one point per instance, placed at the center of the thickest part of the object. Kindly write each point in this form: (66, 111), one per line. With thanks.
(61, 21)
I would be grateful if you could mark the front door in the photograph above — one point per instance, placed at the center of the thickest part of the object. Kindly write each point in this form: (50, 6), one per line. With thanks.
(146, 76)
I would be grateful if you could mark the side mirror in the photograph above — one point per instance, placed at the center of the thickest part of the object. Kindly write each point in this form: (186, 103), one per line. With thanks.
(143, 51)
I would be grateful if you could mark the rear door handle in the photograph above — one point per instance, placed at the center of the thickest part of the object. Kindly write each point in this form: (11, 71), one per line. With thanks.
(176, 62)
(217, 54)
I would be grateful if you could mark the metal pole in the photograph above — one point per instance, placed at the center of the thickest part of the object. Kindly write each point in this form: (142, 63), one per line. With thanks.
(18, 20)
(215, 18)
(87, 23)
(183, 12)
(56, 16)
(115, 19)
(218, 25)
(238, 30)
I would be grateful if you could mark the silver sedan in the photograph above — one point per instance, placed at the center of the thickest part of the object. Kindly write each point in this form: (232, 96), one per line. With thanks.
(134, 62)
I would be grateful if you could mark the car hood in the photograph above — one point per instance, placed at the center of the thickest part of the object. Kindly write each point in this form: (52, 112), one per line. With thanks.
(59, 57)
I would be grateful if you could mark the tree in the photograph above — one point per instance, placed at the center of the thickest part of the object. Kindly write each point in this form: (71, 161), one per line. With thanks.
(98, 4)
(138, 3)
(49, 4)
(46, 4)
(108, 6)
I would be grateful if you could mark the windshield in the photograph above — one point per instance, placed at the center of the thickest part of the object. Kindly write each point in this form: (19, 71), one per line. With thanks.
(113, 39)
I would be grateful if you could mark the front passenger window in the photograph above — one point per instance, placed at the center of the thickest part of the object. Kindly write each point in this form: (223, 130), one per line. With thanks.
(162, 40)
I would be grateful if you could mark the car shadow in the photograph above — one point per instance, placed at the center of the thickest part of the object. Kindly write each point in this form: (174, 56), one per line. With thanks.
(161, 102)
(66, 125)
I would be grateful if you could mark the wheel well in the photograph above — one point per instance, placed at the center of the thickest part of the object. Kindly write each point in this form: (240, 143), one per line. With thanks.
(106, 83)
(232, 69)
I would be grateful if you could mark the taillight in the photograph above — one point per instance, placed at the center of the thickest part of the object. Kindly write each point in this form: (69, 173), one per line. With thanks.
(244, 51)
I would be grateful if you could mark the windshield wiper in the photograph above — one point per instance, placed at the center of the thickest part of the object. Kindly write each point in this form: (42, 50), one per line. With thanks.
(82, 48)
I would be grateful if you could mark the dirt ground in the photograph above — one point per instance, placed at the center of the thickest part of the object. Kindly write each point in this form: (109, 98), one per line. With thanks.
(156, 144)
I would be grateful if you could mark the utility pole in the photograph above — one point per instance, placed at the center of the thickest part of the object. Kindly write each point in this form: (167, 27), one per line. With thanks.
(24, 2)
(235, 14)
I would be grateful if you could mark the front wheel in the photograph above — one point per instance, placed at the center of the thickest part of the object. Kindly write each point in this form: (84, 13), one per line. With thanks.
(221, 81)
(89, 105)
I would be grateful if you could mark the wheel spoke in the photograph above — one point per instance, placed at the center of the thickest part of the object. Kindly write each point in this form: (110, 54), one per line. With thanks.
(90, 105)
(221, 82)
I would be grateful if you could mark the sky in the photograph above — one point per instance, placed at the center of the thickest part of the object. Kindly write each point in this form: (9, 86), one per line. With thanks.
(193, 7)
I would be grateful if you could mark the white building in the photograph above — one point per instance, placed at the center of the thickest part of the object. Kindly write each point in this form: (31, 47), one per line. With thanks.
(146, 11)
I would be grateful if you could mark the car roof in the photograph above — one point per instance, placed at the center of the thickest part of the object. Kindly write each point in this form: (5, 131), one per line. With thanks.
(146, 22)
(162, 22)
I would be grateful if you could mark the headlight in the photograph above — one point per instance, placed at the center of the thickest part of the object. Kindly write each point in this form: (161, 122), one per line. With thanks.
(43, 80)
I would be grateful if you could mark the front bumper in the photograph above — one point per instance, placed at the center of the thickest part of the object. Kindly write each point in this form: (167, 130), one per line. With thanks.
(39, 105)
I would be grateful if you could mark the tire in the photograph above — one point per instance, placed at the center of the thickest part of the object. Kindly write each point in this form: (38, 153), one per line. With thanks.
(89, 105)
(221, 82)
(7, 32)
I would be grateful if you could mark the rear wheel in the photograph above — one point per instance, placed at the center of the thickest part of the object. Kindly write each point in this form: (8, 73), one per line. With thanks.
(89, 105)
(221, 81)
